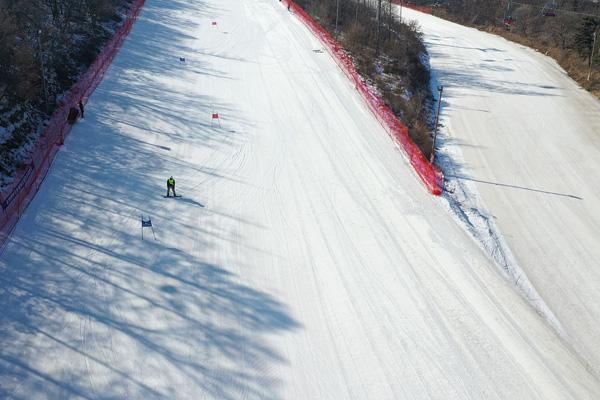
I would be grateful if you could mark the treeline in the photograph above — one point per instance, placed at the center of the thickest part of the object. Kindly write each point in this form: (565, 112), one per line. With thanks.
(564, 29)
(44, 46)
(387, 52)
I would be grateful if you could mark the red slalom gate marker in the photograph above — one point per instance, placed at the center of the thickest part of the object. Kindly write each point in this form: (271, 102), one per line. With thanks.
(215, 116)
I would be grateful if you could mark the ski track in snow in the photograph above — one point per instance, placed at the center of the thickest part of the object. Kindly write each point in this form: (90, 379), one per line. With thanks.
(304, 260)
(512, 125)
(464, 201)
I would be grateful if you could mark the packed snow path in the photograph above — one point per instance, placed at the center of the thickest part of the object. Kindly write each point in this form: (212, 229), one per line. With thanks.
(304, 260)
(530, 144)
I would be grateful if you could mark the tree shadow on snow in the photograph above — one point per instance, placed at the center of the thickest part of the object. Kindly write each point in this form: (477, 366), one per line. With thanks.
(91, 311)
(469, 75)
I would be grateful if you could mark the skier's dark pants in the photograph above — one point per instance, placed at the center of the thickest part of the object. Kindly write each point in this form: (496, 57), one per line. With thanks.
(169, 188)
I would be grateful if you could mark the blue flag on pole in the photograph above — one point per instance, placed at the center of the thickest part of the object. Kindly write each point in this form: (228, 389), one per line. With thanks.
(147, 223)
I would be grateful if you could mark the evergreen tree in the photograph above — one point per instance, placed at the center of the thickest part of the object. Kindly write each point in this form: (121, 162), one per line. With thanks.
(584, 37)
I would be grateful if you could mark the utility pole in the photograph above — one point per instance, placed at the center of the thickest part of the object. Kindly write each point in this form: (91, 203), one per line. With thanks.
(43, 70)
(378, 27)
(592, 56)
(400, 10)
(389, 26)
(437, 117)
(337, 15)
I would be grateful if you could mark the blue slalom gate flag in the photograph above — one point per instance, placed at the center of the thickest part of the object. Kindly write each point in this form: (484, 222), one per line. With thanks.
(147, 223)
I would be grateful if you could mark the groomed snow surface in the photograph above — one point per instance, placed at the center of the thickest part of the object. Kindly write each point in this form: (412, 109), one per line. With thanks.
(524, 140)
(304, 261)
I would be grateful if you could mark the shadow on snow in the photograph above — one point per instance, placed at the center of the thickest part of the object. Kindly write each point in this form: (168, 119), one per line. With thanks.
(91, 311)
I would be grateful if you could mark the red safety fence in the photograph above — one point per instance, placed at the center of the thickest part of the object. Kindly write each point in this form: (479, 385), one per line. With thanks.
(15, 198)
(429, 174)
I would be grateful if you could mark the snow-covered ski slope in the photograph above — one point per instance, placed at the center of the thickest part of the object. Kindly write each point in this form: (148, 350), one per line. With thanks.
(304, 260)
(530, 144)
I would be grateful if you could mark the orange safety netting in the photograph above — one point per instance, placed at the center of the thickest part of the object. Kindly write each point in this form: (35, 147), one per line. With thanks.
(431, 176)
(15, 198)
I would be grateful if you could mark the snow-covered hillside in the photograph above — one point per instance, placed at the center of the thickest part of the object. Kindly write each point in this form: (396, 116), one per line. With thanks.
(524, 138)
(304, 260)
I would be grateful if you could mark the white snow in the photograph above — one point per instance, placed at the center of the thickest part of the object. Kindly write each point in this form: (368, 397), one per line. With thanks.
(524, 139)
(304, 260)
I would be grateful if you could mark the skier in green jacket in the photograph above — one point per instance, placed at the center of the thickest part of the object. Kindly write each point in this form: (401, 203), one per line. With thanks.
(171, 186)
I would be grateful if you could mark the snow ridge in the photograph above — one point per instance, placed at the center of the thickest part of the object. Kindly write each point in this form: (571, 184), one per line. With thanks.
(464, 202)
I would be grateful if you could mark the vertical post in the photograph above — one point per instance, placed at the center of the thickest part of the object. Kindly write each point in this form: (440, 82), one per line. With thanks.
(389, 26)
(43, 70)
(400, 10)
(337, 15)
(592, 56)
(378, 27)
(437, 117)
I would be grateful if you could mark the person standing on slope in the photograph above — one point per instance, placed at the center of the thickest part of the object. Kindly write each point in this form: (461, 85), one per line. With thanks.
(171, 186)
